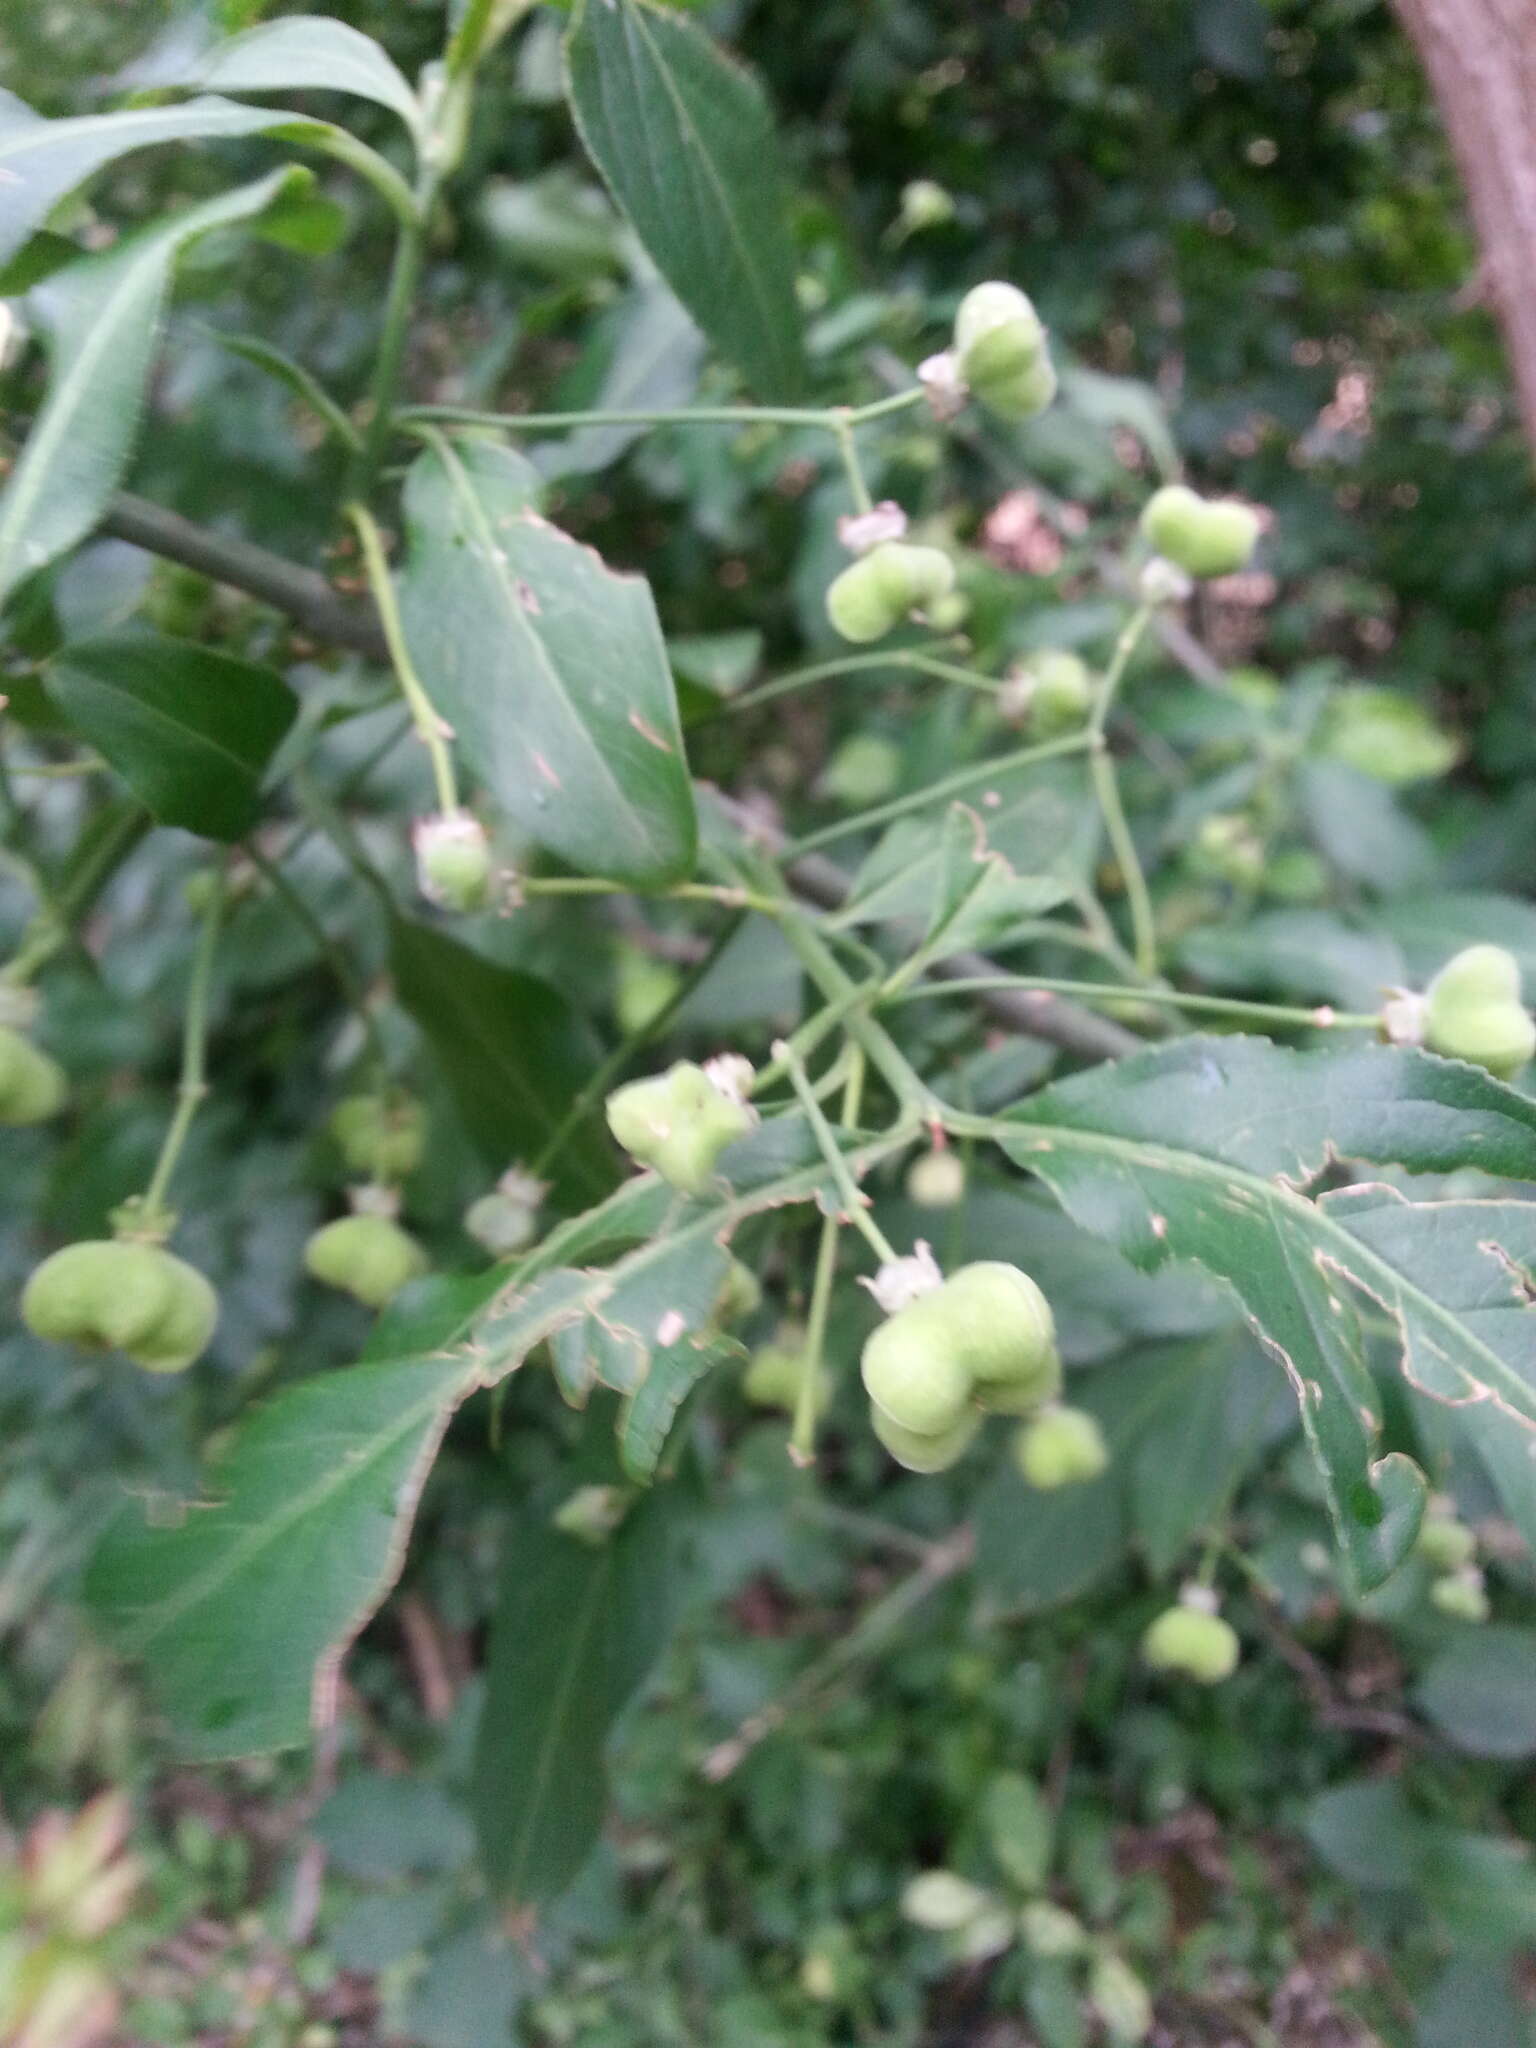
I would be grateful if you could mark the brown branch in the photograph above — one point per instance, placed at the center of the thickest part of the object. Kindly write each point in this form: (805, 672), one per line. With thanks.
(310, 601)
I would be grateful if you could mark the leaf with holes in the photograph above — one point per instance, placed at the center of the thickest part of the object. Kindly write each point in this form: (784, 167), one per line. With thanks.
(1204, 1150)
(191, 731)
(549, 666)
(101, 316)
(685, 140)
(241, 1603)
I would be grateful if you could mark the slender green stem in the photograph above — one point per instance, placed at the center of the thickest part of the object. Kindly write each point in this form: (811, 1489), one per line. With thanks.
(614, 1064)
(380, 173)
(842, 665)
(829, 419)
(342, 971)
(948, 785)
(853, 469)
(1324, 1017)
(430, 729)
(804, 1041)
(193, 1086)
(802, 1439)
(884, 1055)
(65, 903)
(855, 1202)
(400, 298)
(727, 894)
(1106, 788)
(60, 771)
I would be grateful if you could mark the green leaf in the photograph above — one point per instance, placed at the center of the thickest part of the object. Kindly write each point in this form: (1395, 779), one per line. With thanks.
(577, 1627)
(308, 52)
(1431, 928)
(241, 1604)
(1037, 836)
(512, 1051)
(1311, 956)
(685, 140)
(304, 386)
(191, 731)
(41, 161)
(1479, 1692)
(101, 315)
(1202, 1150)
(646, 1420)
(549, 666)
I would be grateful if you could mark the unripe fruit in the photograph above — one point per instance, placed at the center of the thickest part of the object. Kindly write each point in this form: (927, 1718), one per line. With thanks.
(878, 591)
(1001, 351)
(644, 986)
(368, 1257)
(679, 1123)
(33, 1087)
(453, 862)
(913, 1371)
(936, 1180)
(922, 1452)
(500, 1223)
(1228, 849)
(1052, 690)
(1445, 1543)
(1473, 1012)
(380, 1136)
(108, 1294)
(1206, 536)
(1462, 1595)
(864, 770)
(1003, 1331)
(1061, 1447)
(773, 1374)
(1188, 1639)
(741, 1295)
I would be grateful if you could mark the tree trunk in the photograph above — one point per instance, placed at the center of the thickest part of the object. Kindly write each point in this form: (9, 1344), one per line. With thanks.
(1481, 60)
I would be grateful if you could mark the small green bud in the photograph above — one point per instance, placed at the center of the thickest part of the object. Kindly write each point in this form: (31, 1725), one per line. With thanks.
(1206, 536)
(453, 862)
(1226, 848)
(507, 1218)
(879, 590)
(1445, 1543)
(1192, 1640)
(1474, 1012)
(381, 1136)
(920, 1451)
(108, 1294)
(1061, 1447)
(681, 1121)
(936, 1180)
(1120, 1999)
(1463, 1595)
(1050, 1930)
(592, 1513)
(369, 1257)
(33, 1086)
(1052, 691)
(942, 1901)
(1295, 875)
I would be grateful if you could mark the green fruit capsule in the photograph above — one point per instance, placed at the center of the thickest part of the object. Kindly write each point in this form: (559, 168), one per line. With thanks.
(33, 1086)
(1052, 690)
(1061, 1447)
(1001, 351)
(1462, 1595)
(1205, 536)
(1003, 1331)
(936, 1180)
(1445, 1543)
(741, 1295)
(1473, 1012)
(1188, 1639)
(368, 1257)
(914, 1373)
(382, 1137)
(895, 579)
(864, 770)
(111, 1295)
(453, 862)
(921, 1451)
(679, 1123)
